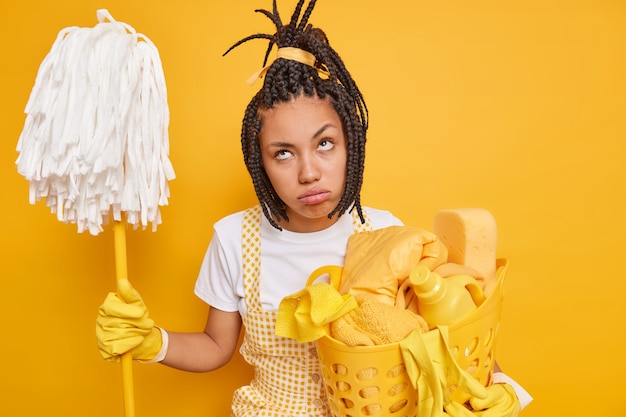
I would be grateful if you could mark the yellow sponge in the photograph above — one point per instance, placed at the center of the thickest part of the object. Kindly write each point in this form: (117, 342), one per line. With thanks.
(471, 235)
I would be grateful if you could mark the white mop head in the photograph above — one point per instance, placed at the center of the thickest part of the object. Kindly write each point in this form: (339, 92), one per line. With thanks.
(95, 141)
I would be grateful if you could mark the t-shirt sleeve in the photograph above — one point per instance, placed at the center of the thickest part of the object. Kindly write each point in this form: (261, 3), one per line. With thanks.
(217, 283)
(382, 218)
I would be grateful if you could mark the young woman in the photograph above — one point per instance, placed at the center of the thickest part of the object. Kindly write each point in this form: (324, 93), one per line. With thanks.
(303, 140)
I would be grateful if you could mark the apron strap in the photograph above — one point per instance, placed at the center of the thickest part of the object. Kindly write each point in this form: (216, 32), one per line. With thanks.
(359, 227)
(251, 252)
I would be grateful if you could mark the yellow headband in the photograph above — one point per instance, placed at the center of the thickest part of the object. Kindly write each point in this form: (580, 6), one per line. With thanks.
(294, 54)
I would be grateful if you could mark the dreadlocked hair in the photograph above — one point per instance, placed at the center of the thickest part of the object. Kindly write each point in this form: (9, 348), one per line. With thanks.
(287, 79)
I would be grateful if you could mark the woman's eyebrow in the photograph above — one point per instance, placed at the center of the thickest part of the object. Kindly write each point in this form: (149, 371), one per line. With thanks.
(279, 144)
(322, 129)
(319, 132)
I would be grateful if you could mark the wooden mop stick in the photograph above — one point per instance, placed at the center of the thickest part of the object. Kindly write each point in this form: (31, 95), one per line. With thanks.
(121, 272)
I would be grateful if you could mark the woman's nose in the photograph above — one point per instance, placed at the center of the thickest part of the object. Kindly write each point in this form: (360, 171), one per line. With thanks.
(309, 170)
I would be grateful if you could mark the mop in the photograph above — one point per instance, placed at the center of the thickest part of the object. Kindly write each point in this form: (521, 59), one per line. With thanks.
(95, 140)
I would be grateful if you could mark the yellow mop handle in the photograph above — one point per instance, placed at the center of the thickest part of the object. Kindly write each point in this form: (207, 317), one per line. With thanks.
(121, 271)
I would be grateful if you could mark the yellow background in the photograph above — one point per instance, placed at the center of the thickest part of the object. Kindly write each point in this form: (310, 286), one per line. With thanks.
(515, 106)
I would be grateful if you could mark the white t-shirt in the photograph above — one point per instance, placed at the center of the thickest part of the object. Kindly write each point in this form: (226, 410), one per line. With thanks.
(288, 258)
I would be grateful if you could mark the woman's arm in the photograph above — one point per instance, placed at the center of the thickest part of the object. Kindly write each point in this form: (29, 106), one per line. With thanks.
(208, 350)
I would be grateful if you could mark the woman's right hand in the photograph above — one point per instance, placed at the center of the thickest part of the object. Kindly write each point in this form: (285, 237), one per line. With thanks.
(123, 325)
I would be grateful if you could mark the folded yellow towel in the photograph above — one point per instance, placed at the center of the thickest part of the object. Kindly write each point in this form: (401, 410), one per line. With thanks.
(378, 261)
(375, 323)
(305, 315)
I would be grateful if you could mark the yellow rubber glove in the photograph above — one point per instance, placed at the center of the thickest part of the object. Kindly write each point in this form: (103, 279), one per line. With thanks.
(454, 409)
(501, 401)
(431, 367)
(123, 325)
(378, 261)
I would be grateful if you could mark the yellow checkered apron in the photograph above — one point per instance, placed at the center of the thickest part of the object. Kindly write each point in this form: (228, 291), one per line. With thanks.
(288, 378)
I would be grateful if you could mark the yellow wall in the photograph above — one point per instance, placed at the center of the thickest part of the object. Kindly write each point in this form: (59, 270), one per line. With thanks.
(515, 106)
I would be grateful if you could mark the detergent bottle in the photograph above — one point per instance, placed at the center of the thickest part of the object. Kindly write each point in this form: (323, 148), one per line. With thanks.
(442, 301)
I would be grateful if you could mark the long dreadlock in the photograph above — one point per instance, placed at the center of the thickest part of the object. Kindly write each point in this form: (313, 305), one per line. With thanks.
(287, 79)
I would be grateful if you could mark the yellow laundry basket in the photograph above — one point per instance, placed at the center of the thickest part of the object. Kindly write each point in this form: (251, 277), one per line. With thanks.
(372, 380)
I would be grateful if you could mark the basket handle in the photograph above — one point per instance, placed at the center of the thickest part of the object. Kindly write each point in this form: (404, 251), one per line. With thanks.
(334, 273)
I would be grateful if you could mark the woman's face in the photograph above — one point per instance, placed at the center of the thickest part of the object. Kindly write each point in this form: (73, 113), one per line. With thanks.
(303, 149)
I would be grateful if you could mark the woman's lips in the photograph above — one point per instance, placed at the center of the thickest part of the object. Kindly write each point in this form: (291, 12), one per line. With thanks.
(314, 197)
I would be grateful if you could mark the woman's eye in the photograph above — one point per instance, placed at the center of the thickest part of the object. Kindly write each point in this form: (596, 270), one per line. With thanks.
(326, 145)
(283, 154)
